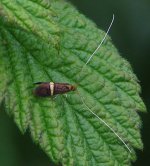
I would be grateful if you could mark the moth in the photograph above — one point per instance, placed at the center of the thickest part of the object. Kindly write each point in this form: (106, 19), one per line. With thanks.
(49, 89)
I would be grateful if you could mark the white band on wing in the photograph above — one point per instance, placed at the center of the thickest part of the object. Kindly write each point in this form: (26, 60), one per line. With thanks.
(51, 85)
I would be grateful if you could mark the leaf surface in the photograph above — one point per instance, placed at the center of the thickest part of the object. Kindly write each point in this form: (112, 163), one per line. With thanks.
(47, 40)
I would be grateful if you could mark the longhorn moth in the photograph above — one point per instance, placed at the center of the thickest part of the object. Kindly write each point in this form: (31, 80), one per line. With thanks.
(48, 89)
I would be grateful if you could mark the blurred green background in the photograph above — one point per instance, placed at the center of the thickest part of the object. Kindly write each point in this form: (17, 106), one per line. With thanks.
(131, 35)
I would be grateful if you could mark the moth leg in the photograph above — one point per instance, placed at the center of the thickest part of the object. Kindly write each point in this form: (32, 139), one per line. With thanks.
(66, 95)
(38, 83)
(54, 97)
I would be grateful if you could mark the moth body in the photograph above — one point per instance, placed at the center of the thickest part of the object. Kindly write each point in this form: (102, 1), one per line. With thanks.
(47, 89)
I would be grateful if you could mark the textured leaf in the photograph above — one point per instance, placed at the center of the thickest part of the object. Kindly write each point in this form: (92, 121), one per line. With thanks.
(49, 40)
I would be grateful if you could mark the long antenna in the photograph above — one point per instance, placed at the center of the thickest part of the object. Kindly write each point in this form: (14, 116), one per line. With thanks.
(98, 47)
(105, 124)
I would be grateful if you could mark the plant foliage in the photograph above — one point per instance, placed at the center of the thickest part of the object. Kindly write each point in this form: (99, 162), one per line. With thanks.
(49, 40)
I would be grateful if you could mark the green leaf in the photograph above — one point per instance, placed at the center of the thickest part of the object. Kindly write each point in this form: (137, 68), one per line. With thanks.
(49, 40)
